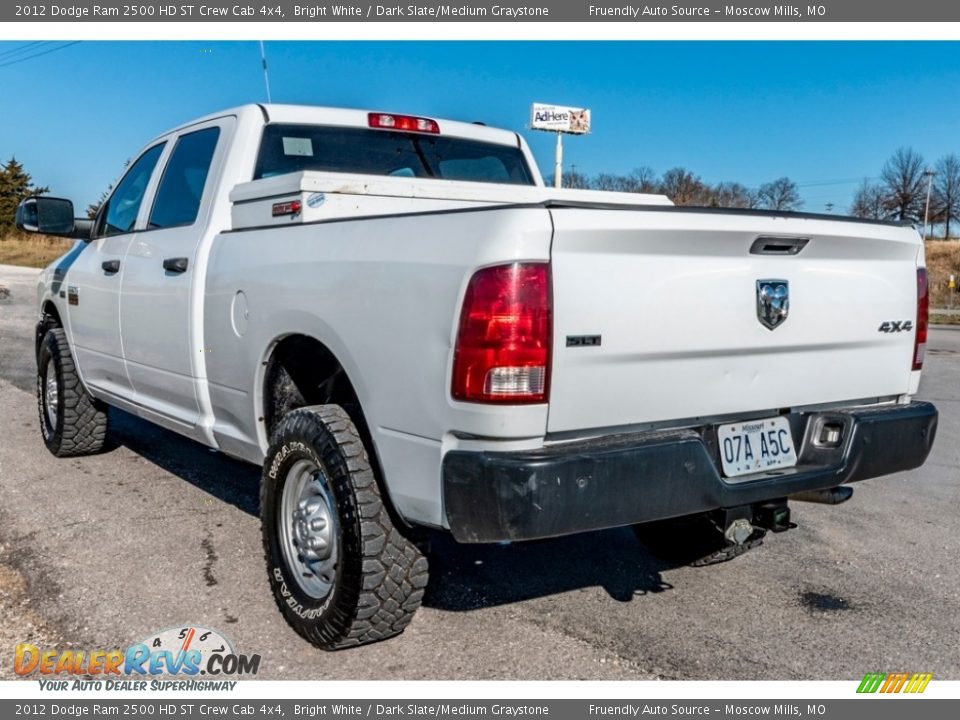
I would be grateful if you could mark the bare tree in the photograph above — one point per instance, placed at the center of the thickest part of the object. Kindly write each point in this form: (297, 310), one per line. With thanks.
(683, 187)
(572, 180)
(609, 181)
(642, 180)
(780, 194)
(734, 195)
(869, 202)
(946, 193)
(575, 180)
(903, 185)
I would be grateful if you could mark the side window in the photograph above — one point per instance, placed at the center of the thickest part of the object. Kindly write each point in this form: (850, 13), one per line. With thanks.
(181, 187)
(120, 214)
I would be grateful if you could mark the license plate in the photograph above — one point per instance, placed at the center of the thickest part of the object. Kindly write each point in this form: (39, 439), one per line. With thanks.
(756, 446)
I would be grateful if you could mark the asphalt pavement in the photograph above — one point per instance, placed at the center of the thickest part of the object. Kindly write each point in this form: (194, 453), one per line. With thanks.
(158, 531)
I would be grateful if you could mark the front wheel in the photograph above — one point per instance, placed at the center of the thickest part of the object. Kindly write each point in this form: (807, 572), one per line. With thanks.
(72, 422)
(341, 572)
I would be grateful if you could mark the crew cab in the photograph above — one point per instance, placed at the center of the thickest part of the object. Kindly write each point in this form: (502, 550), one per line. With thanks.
(411, 334)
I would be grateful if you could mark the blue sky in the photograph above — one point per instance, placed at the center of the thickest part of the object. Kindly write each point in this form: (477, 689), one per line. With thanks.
(824, 114)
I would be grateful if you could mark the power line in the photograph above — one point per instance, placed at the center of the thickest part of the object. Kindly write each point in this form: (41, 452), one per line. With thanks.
(824, 183)
(36, 55)
(22, 48)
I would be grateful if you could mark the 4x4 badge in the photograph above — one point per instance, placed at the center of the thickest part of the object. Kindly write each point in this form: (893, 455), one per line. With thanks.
(773, 302)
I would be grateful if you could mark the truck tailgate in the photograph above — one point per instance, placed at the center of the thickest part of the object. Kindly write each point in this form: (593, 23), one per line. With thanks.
(672, 295)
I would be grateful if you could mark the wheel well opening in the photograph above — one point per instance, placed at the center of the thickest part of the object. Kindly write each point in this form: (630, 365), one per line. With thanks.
(302, 371)
(50, 319)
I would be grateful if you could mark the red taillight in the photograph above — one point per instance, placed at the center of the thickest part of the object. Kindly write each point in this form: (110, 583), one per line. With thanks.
(923, 313)
(502, 353)
(406, 123)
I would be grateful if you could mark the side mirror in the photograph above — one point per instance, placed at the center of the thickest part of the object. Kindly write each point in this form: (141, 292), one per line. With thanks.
(47, 215)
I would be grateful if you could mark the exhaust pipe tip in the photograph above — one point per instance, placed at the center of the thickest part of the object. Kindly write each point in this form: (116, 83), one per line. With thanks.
(829, 496)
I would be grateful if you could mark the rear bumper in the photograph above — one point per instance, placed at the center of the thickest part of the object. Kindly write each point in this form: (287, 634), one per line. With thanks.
(626, 479)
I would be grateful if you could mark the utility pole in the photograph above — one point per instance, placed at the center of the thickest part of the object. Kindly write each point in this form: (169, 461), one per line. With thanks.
(928, 173)
(558, 163)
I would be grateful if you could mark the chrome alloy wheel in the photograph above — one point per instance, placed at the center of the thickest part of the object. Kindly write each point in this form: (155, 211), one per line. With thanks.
(51, 395)
(308, 528)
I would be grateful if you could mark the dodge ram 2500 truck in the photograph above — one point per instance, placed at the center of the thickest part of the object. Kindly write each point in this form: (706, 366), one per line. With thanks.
(408, 331)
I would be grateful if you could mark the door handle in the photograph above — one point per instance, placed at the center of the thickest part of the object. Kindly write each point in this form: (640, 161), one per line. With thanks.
(175, 265)
(110, 266)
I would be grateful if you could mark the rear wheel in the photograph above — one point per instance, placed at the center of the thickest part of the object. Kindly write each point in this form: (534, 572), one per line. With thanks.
(696, 540)
(341, 572)
(72, 422)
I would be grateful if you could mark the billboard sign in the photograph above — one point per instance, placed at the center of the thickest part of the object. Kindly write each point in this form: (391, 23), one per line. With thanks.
(558, 118)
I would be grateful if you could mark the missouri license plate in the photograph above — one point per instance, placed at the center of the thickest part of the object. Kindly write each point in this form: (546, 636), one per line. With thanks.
(756, 446)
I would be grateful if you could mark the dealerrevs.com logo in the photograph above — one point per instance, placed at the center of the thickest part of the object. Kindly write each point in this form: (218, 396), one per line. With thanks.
(189, 651)
(897, 682)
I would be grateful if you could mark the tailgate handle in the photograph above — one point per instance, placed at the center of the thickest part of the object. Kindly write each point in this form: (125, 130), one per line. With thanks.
(175, 265)
(778, 245)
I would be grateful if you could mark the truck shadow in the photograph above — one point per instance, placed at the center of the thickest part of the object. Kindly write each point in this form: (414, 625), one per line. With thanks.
(469, 577)
(232, 481)
(462, 577)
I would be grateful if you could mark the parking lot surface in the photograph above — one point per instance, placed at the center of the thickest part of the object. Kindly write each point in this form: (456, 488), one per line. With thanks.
(99, 552)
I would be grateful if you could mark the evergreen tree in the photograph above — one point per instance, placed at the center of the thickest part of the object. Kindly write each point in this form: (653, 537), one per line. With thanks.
(15, 185)
(94, 207)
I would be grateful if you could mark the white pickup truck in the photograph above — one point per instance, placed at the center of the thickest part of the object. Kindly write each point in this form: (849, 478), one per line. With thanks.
(408, 331)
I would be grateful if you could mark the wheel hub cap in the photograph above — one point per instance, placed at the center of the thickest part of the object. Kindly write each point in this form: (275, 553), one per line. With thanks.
(51, 395)
(308, 529)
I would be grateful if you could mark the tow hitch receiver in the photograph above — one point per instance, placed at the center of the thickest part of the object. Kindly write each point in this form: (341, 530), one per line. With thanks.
(739, 526)
(774, 516)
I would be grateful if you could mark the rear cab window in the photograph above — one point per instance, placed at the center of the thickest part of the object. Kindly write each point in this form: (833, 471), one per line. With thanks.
(288, 148)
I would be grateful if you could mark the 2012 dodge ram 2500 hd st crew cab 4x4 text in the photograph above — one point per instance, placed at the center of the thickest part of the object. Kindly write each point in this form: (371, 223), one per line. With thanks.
(407, 330)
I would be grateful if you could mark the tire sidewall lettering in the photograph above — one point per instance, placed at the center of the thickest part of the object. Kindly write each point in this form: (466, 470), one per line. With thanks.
(46, 355)
(304, 607)
(284, 451)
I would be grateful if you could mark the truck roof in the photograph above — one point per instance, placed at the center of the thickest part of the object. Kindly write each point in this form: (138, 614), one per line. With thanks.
(351, 117)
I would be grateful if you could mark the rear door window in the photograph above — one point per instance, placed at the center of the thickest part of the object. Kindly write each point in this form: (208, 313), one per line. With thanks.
(178, 197)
